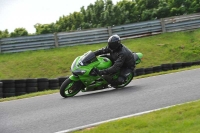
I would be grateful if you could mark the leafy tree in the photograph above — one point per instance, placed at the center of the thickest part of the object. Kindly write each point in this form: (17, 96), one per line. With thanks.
(98, 14)
(177, 7)
(45, 28)
(150, 4)
(127, 11)
(104, 13)
(189, 7)
(108, 14)
(97, 10)
(147, 4)
(86, 18)
(176, 3)
(195, 6)
(163, 9)
(69, 23)
(174, 11)
(149, 14)
(19, 32)
(4, 34)
(146, 8)
(76, 20)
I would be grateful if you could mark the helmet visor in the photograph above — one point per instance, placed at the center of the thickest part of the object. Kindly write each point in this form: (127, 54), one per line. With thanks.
(112, 45)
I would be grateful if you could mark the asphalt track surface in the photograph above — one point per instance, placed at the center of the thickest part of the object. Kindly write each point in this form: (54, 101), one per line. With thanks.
(52, 113)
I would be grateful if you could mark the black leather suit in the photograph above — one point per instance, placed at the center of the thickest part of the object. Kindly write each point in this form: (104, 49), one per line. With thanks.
(122, 59)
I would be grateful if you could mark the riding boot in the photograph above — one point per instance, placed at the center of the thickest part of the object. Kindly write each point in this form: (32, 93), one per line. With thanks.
(118, 81)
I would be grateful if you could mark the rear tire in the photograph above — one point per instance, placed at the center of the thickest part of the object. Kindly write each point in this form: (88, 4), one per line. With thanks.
(128, 80)
(70, 88)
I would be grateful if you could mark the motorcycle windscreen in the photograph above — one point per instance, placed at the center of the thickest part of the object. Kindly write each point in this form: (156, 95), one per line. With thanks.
(87, 58)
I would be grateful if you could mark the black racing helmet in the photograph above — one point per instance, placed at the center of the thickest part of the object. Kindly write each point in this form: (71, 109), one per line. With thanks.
(114, 42)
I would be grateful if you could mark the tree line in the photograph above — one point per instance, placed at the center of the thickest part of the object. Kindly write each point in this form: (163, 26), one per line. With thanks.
(104, 13)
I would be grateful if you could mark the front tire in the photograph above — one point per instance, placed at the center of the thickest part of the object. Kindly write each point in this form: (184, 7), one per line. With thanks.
(70, 88)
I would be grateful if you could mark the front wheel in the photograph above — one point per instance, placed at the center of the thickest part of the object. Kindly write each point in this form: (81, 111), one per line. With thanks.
(70, 88)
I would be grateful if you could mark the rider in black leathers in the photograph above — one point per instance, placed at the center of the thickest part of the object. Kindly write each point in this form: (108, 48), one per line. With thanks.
(121, 57)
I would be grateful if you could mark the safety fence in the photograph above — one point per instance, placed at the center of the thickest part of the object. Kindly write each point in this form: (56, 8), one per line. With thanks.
(100, 35)
(17, 87)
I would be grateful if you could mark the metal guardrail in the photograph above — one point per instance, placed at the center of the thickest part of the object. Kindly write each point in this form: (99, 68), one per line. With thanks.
(180, 23)
(82, 37)
(92, 36)
(137, 28)
(19, 44)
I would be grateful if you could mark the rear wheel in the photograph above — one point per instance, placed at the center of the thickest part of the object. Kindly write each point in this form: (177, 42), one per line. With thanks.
(70, 88)
(127, 81)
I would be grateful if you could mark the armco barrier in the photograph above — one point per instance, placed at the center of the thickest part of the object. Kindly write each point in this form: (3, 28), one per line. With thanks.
(100, 35)
(11, 87)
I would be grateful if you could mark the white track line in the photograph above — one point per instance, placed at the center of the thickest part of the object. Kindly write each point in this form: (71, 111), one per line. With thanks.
(98, 123)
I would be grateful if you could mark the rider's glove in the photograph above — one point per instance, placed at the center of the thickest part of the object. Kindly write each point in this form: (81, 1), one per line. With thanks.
(100, 72)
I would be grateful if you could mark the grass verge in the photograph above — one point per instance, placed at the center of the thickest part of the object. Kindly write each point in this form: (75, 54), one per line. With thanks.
(158, 49)
(183, 118)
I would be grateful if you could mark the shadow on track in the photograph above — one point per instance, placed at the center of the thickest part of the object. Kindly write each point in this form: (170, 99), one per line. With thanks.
(109, 91)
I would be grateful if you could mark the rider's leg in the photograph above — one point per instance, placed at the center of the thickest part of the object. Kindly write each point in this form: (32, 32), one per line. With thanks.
(121, 79)
(123, 75)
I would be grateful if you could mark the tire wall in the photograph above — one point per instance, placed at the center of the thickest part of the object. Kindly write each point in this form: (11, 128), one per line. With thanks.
(164, 67)
(17, 87)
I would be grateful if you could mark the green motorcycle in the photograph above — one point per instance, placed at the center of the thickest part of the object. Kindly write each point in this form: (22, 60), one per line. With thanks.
(85, 79)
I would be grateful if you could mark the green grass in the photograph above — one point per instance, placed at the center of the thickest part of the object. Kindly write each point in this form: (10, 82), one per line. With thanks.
(179, 119)
(52, 63)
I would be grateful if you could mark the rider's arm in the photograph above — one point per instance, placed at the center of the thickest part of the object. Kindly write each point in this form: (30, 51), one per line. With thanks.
(117, 65)
(101, 51)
